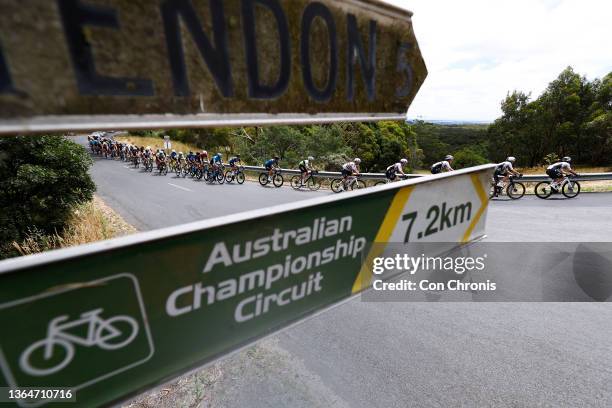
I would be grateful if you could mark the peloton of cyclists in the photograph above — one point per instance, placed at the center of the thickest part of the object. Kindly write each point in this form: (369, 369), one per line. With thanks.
(558, 170)
(443, 165)
(395, 169)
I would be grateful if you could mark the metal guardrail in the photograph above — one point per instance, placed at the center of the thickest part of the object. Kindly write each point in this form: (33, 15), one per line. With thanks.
(379, 176)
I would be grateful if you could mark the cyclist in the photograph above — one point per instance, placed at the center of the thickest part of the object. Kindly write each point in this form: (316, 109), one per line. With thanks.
(232, 162)
(444, 165)
(271, 165)
(160, 157)
(558, 170)
(217, 163)
(350, 169)
(505, 170)
(393, 169)
(305, 167)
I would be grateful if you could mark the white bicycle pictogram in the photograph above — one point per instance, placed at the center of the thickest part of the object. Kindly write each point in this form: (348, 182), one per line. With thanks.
(100, 333)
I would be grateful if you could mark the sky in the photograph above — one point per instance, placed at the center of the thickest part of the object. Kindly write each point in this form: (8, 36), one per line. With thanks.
(476, 51)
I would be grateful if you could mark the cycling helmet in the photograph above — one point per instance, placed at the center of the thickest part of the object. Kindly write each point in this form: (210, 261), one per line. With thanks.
(219, 154)
(237, 156)
(357, 160)
(404, 161)
(173, 151)
(180, 153)
(566, 159)
(511, 159)
(449, 157)
(204, 153)
(310, 158)
(190, 152)
(276, 158)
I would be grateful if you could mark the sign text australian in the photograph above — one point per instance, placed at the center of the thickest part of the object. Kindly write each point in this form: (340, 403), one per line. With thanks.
(195, 56)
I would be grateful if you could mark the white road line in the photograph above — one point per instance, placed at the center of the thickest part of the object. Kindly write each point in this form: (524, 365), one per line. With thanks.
(179, 187)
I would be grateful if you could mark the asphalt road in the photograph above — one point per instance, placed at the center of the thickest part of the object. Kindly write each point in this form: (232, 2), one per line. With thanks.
(368, 354)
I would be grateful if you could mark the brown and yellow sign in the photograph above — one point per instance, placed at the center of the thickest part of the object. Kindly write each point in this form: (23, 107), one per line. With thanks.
(203, 62)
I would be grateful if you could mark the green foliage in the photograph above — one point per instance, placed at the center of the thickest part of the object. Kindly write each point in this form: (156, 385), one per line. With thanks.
(573, 116)
(468, 157)
(41, 179)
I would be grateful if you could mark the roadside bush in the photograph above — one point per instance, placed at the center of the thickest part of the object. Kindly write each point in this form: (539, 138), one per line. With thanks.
(467, 157)
(41, 179)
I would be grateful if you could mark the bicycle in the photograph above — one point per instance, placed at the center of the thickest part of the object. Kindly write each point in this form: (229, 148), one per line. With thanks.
(163, 168)
(215, 174)
(514, 189)
(135, 161)
(569, 188)
(353, 183)
(237, 175)
(100, 332)
(311, 182)
(277, 178)
(387, 180)
(148, 163)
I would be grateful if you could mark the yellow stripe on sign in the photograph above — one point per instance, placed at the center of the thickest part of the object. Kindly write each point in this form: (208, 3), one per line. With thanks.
(384, 233)
(484, 202)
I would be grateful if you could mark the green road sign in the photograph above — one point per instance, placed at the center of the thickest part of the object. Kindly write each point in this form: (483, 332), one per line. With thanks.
(91, 64)
(115, 318)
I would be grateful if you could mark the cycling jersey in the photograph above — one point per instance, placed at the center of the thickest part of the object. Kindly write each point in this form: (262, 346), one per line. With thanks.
(233, 161)
(216, 159)
(350, 166)
(271, 163)
(559, 166)
(504, 167)
(173, 155)
(397, 167)
(440, 166)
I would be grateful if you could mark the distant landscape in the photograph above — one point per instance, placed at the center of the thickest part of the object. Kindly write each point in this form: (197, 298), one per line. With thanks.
(573, 116)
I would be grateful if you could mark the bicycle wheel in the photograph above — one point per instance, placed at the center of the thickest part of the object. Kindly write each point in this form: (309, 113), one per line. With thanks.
(229, 177)
(336, 185)
(542, 190)
(112, 338)
(515, 190)
(379, 183)
(296, 182)
(240, 178)
(263, 179)
(358, 184)
(278, 180)
(25, 360)
(314, 183)
(220, 177)
(571, 189)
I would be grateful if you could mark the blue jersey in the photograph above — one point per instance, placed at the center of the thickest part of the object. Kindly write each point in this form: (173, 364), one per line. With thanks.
(271, 163)
(233, 161)
(216, 159)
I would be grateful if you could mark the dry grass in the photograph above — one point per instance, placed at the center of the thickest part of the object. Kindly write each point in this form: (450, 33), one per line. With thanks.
(157, 143)
(90, 222)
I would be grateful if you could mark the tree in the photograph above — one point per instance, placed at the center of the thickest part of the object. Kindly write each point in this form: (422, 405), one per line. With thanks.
(41, 179)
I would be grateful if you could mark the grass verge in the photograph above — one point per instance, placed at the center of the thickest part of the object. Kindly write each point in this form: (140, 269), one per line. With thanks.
(90, 222)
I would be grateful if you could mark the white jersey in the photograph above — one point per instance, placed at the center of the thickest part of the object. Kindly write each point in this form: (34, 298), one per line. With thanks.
(505, 166)
(395, 168)
(444, 165)
(350, 166)
(559, 166)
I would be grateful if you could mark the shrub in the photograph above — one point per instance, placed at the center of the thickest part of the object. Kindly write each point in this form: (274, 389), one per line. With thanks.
(467, 157)
(41, 179)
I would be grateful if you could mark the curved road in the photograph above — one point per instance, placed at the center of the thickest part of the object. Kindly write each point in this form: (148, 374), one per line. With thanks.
(368, 354)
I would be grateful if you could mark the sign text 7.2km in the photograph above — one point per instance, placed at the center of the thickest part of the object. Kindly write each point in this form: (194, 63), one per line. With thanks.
(216, 61)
